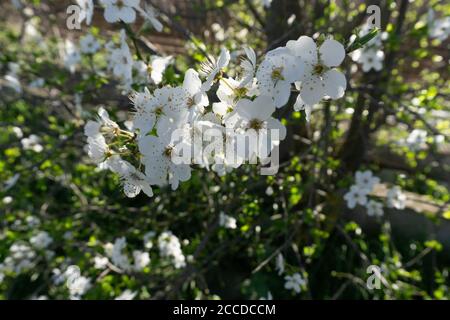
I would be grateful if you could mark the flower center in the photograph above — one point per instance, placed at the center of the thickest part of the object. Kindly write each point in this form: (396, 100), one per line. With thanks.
(255, 124)
(319, 68)
(190, 102)
(120, 4)
(240, 92)
(159, 111)
(277, 74)
(168, 151)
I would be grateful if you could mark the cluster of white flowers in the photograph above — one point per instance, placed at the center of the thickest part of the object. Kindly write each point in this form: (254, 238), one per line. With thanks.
(170, 247)
(21, 258)
(174, 127)
(371, 56)
(365, 182)
(119, 257)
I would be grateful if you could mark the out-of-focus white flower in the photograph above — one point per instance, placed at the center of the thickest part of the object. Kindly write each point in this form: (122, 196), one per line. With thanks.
(170, 247)
(227, 221)
(269, 191)
(100, 262)
(396, 198)
(120, 10)
(268, 297)
(18, 132)
(374, 208)
(41, 240)
(416, 139)
(355, 196)
(366, 180)
(369, 58)
(141, 260)
(294, 282)
(7, 200)
(117, 255)
(88, 44)
(33, 142)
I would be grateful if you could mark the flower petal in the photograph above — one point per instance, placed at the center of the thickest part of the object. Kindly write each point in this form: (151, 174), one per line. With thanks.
(332, 53)
(335, 84)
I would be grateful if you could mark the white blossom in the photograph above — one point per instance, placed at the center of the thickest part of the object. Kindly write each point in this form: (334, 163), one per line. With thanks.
(120, 10)
(355, 196)
(41, 240)
(374, 208)
(396, 198)
(294, 282)
(88, 44)
(33, 142)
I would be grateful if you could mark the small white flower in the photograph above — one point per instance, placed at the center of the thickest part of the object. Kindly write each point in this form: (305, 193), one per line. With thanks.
(416, 139)
(396, 198)
(120, 10)
(33, 142)
(88, 44)
(355, 196)
(18, 132)
(294, 282)
(170, 247)
(100, 262)
(276, 73)
(366, 180)
(320, 77)
(117, 255)
(227, 221)
(374, 208)
(141, 260)
(41, 240)
(211, 68)
(269, 191)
